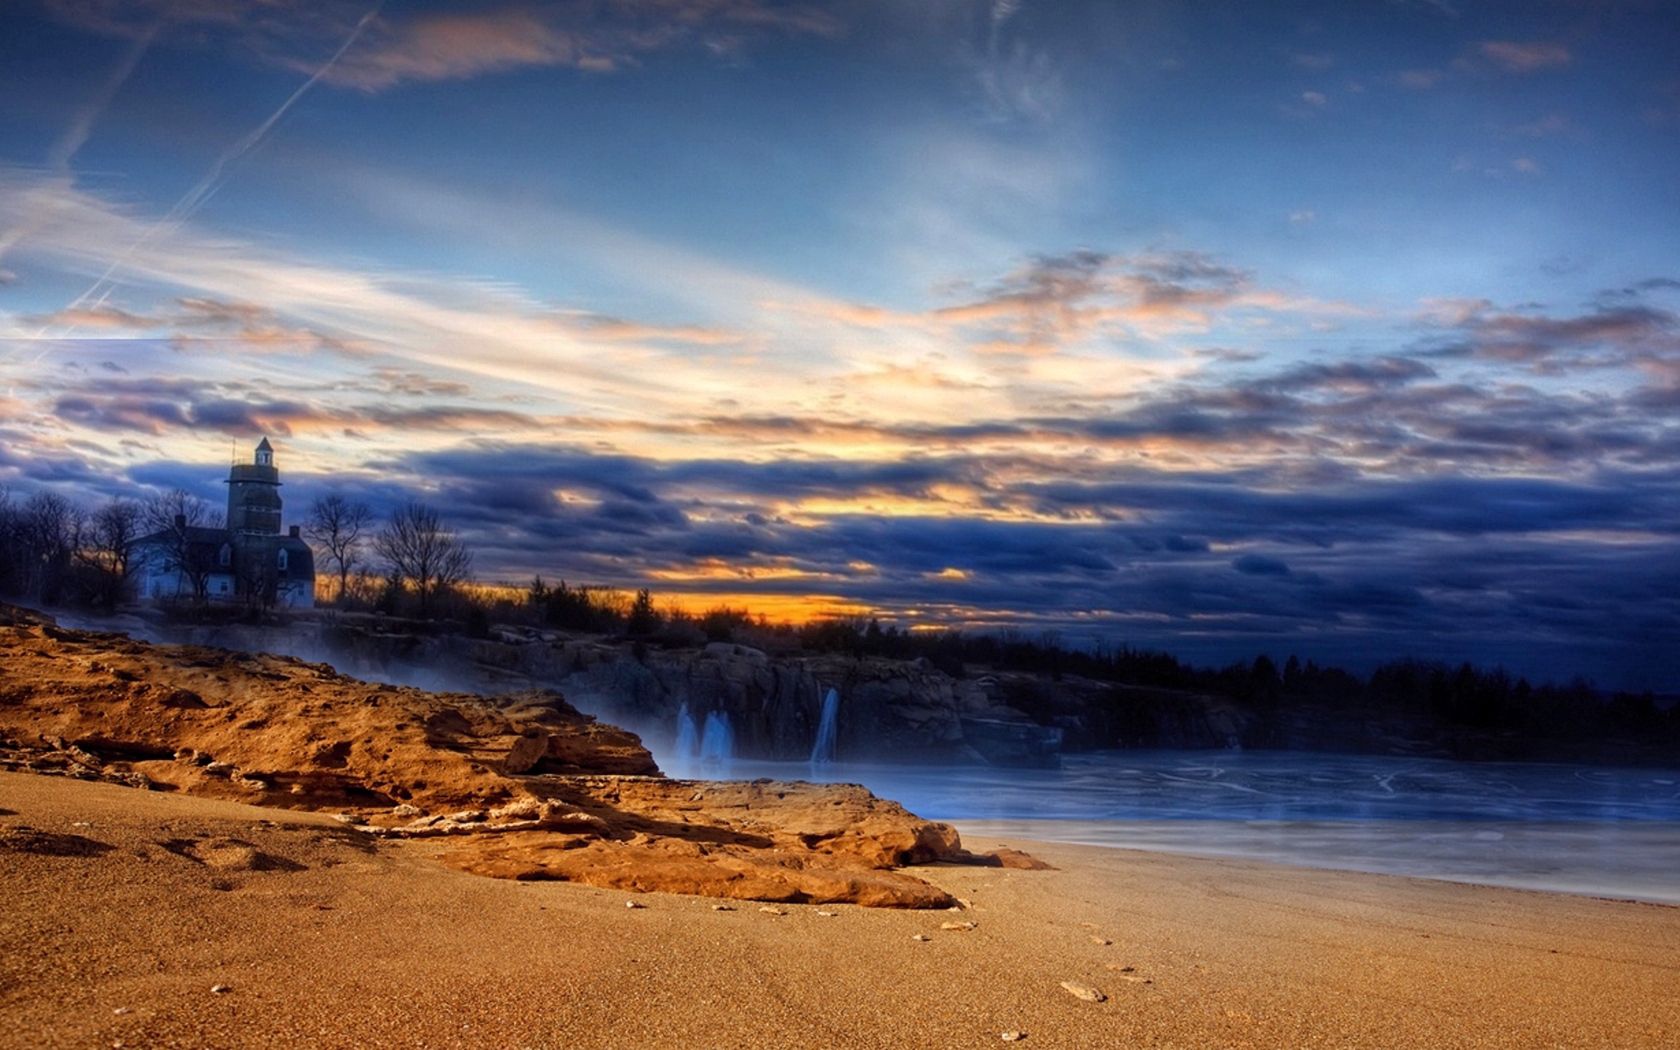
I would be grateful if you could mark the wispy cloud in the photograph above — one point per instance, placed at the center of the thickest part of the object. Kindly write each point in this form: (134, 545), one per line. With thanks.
(1530, 56)
(407, 46)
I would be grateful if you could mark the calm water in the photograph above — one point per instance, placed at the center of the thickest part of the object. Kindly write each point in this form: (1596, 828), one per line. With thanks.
(1581, 829)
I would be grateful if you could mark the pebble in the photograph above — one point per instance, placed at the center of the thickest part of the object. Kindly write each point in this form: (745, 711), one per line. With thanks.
(121, 1011)
(828, 914)
(768, 910)
(1100, 940)
(221, 989)
(722, 907)
(958, 925)
(634, 904)
(920, 937)
(1013, 1036)
(1083, 991)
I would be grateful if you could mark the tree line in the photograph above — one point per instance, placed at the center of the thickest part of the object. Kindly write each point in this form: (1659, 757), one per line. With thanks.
(58, 552)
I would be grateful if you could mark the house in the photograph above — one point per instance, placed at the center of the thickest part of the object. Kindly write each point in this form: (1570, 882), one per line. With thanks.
(249, 561)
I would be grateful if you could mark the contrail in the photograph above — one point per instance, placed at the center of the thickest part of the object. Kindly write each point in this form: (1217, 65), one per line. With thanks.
(195, 198)
(76, 135)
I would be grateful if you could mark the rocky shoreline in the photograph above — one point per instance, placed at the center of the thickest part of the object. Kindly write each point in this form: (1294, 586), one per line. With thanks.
(520, 785)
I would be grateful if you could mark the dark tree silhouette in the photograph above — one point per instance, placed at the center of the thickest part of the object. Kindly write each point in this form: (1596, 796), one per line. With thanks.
(109, 547)
(422, 553)
(48, 533)
(643, 619)
(337, 527)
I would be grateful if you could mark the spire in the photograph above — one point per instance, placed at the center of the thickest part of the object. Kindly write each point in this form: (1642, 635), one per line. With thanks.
(265, 454)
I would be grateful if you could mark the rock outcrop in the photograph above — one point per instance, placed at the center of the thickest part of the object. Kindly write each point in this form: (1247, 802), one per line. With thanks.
(520, 785)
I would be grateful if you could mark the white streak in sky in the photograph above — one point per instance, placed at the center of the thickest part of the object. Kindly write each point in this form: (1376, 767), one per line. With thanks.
(206, 187)
(64, 150)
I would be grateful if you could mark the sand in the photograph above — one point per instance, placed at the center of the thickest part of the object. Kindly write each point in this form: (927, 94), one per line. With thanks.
(140, 902)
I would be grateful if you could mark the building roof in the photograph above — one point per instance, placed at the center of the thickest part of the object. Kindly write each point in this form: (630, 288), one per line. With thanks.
(264, 446)
(195, 534)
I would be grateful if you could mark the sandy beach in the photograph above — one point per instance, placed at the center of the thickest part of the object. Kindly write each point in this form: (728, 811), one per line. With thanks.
(123, 909)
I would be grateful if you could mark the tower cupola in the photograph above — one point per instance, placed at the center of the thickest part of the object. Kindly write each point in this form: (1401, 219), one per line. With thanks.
(253, 507)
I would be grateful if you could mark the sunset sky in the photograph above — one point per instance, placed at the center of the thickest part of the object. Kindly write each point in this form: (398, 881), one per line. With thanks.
(1347, 328)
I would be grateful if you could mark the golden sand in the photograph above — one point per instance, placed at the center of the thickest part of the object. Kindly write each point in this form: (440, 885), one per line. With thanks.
(120, 910)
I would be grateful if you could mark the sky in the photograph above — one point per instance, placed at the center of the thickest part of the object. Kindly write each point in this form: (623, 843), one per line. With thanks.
(1348, 329)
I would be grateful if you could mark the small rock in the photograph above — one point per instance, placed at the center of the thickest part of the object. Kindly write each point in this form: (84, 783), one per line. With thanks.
(184, 698)
(723, 907)
(81, 823)
(121, 1011)
(958, 925)
(920, 937)
(768, 910)
(405, 809)
(1013, 1037)
(1083, 991)
(634, 904)
(1100, 940)
(526, 752)
(828, 914)
(221, 989)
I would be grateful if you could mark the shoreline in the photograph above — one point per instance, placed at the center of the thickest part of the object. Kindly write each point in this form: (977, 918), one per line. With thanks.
(141, 901)
(1246, 842)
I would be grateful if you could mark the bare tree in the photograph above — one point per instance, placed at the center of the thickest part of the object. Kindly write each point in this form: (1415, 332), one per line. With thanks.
(176, 516)
(422, 552)
(336, 527)
(49, 531)
(108, 545)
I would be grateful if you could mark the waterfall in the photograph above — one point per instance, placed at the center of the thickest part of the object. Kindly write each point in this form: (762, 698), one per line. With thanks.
(687, 748)
(823, 750)
(717, 746)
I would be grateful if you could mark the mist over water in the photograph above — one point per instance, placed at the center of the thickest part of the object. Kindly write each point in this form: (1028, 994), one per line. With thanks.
(1581, 829)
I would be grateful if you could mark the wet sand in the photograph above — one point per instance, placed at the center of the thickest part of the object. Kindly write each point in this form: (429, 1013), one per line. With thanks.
(139, 902)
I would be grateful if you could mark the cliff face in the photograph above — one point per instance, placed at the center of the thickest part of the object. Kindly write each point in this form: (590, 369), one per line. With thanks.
(521, 785)
(891, 710)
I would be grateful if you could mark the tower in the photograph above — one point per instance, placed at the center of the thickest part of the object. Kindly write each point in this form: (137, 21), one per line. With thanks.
(253, 507)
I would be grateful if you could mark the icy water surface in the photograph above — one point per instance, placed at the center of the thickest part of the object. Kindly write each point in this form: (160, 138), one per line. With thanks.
(1580, 829)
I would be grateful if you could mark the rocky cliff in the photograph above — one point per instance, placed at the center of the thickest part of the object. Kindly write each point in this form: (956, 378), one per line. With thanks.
(520, 785)
(891, 710)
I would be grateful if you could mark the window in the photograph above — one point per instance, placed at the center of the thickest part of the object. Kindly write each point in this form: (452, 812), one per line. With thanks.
(226, 556)
(283, 553)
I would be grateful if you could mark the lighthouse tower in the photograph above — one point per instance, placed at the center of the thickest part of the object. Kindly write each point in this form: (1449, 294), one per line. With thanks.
(253, 507)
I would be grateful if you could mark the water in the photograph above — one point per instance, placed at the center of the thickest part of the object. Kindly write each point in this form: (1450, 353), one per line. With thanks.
(1582, 829)
(717, 747)
(685, 752)
(823, 749)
